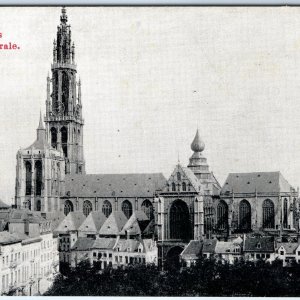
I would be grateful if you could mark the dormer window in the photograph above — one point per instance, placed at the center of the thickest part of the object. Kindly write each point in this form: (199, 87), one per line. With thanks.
(258, 246)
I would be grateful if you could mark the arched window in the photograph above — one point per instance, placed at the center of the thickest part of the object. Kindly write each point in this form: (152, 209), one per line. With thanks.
(53, 137)
(38, 177)
(245, 216)
(179, 221)
(38, 205)
(184, 186)
(87, 207)
(178, 176)
(268, 214)
(173, 187)
(147, 208)
(127, 208)
(28, 177)
(222, 216)
(65, 92)
(285, 213)
(106, 208)
(64, 140)
(68, 207)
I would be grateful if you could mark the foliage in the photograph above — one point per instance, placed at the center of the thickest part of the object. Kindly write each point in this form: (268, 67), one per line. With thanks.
(207, 278)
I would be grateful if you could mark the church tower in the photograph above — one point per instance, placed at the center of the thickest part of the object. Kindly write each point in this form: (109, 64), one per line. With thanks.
(64, 122)
(39, 175)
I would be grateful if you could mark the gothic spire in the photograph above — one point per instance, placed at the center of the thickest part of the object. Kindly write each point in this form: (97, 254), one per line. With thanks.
(41, 124)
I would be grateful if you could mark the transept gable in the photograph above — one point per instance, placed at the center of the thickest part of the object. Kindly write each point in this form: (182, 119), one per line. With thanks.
(182, 180)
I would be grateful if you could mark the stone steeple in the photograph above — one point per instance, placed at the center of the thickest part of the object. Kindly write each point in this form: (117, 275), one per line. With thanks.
(64, 122)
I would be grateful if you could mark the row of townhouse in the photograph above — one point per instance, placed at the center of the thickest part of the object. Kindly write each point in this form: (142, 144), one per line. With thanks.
(28, 255)
(250, 248)
(109, 241)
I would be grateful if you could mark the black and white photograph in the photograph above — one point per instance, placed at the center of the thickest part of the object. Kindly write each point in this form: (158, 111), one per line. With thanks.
(150, 151)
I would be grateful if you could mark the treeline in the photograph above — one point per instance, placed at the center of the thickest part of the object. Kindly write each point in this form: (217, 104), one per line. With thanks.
(206, 278)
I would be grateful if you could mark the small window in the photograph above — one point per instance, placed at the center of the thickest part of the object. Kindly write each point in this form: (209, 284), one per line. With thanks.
(178, 176)
(281, 252)
(268, 255)
(110, 255)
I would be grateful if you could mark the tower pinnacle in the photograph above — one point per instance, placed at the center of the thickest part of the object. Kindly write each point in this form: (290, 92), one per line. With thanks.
(63, 17)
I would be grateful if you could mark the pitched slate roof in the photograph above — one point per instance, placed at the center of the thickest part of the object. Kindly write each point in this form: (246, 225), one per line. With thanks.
(209, 245)
(259, 244)
(71, 222)
(225, 247)
(136, 224)
(290, 248)
(104, 243)
(114, 224)
(150, 230)
(113, 185)
(93, 222)
(192, 250)
(261, 182)
(83, 244)
(124, 245)
(20, 216)
(7, 238)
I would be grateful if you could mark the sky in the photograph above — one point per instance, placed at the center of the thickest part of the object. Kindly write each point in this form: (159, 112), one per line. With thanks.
(151, 76)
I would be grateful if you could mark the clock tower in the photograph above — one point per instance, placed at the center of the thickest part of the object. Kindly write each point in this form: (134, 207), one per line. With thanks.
(64, 122)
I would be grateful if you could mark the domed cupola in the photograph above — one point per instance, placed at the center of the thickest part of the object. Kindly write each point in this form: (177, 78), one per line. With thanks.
(197, 144)
(198, 163)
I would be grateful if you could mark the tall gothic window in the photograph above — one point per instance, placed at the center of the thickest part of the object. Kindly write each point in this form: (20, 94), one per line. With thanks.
(285, 213)
(222, 216)
(38, 205)
(147, 208)
(28, 177)
(209, 214)
(53, 132)
(178, 176)
(127, 208)
(65, 92)
(184, 186)
(38, 177)
(106, 208)
(245, 216)
(68, 207)
(268, 214)
(179, 221)
(64, 140)
(87, 207)
(173, 187)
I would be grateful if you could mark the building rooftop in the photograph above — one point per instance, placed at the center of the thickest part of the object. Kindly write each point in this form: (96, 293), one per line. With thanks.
(114, 224)
(259, 244)
(71, 222)
(260, 182)
(113, 185)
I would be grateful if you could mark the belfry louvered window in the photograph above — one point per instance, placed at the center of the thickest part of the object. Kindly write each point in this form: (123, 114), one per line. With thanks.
(268, 214)
(245, 216)
(28, 177)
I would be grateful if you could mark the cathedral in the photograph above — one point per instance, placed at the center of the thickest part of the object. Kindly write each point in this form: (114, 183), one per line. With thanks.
(189, 205)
